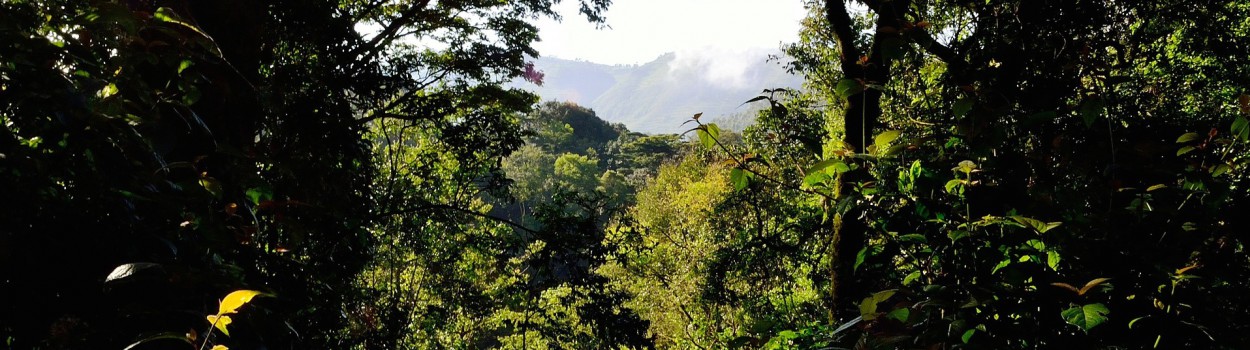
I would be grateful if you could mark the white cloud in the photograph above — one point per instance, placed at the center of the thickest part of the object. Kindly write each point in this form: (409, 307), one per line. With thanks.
(730, 67)
(642, 30)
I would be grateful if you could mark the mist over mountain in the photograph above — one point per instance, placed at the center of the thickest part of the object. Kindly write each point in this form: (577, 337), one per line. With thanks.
(658, 96)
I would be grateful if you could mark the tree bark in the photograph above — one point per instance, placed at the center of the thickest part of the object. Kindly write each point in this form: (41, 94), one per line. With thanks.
(860, 120)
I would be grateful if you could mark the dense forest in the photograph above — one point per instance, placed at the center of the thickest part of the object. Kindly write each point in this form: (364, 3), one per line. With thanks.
(359, 174)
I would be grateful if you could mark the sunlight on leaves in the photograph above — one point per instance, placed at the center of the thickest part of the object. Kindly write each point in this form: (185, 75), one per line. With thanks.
(1086, 317)
(220, 322)
(235, 300)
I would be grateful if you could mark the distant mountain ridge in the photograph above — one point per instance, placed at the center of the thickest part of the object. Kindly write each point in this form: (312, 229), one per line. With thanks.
(658, 96)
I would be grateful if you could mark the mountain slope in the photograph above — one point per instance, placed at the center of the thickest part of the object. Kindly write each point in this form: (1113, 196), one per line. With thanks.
(657, 97)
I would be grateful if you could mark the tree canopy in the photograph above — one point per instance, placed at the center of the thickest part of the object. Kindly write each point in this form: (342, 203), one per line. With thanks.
(1001, 174)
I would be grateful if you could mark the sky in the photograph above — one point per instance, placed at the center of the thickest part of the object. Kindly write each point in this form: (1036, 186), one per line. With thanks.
(642, 30)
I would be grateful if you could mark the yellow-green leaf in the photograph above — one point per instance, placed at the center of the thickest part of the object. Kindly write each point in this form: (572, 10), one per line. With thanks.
(235, 300)
(220, 322)
(868, 307)
(1188, 137)
(882, 140)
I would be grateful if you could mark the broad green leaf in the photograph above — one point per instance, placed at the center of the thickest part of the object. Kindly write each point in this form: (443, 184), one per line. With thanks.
(955, 187)
(883, 139)
(259, 193)
(957, 235)
(892, 150)
(966, 166)
(1185, 149)
(824, 164)
(1053, 259)
(220, 322)
(868, 307)
(1188, 137)
(705, 138)
(865, 252)
(1035, 224)
(738, 178)
(1001, 265)
(235, 300)
(900, 314)
(1219, 170)
(184, 65)
(848, 87)
(1241, 128)
(813, 179)
(968, 335)
(913, 238)
(713, 130)
(911, 277)
(108, 90)
(839, 168)
(1086, 317)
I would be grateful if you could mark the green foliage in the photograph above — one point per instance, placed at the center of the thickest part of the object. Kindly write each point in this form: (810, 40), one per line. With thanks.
(233, 143)
(1086, 317)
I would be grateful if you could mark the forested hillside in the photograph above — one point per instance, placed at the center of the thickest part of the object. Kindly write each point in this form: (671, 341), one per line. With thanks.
(1001, 174)
(657, 96)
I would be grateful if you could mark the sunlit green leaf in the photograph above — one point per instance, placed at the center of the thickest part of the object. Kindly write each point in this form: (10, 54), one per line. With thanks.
(883, 139)
(1053, 259)
(1219, 169)
(705, 138)
(1241, 128)
(956, 235)
(1188, 137)
(911, 277)
(868, 307)
(813, 179)
(1086, 317)
(738, 178)
(1001, 265)
(955, 187)
(901, 314)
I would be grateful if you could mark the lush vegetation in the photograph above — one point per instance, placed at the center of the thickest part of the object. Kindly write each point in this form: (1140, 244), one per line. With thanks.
(357, 174)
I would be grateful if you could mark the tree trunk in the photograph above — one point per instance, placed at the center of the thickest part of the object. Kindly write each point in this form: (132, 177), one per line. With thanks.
(863, 115)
